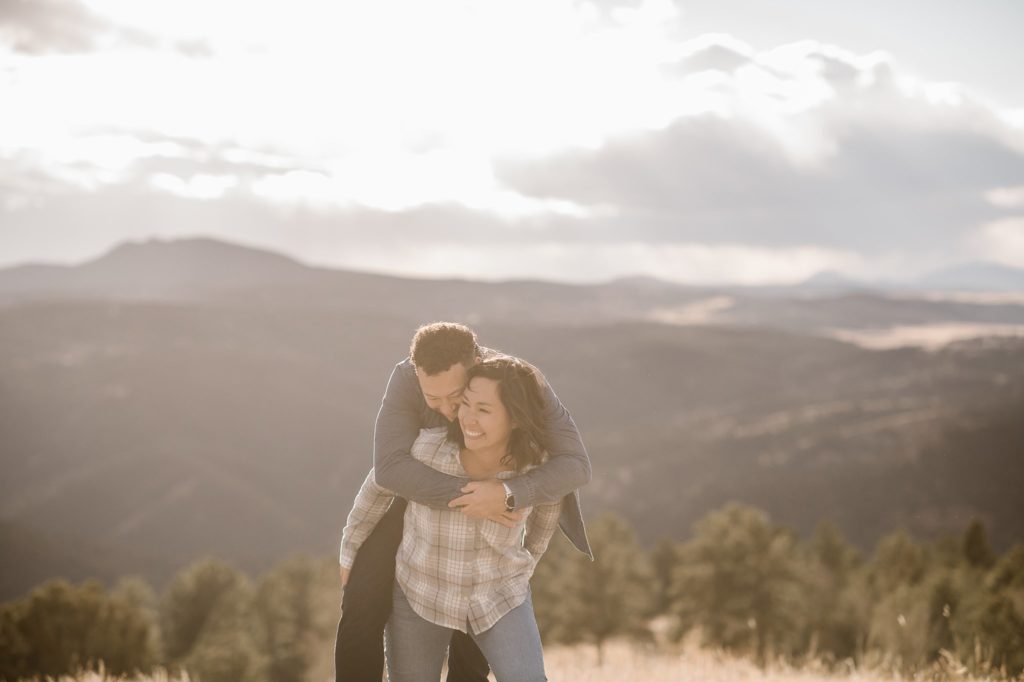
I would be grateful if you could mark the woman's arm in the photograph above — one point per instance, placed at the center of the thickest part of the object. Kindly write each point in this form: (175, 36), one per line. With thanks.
(540, 527)
(370, 504)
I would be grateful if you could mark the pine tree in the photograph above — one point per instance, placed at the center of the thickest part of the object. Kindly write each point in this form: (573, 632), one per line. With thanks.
(610, 596)
(664, 558)
(737, 580)
(60, 629)
(208, 626)
(897, 561)
(292, 615)
(833, 625)
(976, 548)
(942, 602)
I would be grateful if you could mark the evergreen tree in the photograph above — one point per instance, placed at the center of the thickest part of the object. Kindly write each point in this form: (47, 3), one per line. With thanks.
(834, 616)
(897, 561)
(943, 601)
(976, 548)
(664, 558)
(899, 626)
(551, 579)
(610, 596)
(1008, 573)
(208, 625)
(135, 645)
(737, 580)
(294, 622)
(831, 550)
(1001, 633)
(17, 650)
(60, 629)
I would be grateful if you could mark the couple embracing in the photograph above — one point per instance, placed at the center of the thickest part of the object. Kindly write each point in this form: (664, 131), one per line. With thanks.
(476, 464)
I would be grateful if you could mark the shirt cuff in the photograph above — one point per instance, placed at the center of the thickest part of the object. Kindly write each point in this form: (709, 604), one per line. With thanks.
(347, 557)
(523, 489)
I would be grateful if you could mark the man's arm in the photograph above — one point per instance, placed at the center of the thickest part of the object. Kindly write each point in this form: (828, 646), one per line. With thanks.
(567, 468)
(398, 425)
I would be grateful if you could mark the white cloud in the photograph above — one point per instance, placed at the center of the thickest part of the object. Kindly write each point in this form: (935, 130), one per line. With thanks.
(1001, 241)
(200, 186)
(1006, 197)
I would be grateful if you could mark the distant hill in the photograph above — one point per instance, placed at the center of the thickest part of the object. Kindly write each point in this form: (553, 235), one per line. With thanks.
(31, 556)
(208, 271)
(832, 280)
(236, 419)
(975, 277)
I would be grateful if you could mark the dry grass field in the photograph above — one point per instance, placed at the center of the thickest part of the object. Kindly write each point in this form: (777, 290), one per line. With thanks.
(624, 663)
(627, 663)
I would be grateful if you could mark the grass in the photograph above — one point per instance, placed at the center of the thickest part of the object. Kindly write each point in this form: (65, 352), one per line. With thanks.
(624, 662)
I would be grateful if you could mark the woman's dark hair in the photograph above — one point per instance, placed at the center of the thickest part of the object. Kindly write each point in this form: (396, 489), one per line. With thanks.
(519, 387)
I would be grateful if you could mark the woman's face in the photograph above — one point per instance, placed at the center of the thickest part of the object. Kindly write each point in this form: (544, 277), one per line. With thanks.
(484, 420)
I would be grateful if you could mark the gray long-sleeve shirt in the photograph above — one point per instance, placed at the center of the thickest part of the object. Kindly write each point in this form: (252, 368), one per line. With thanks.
(404, 411)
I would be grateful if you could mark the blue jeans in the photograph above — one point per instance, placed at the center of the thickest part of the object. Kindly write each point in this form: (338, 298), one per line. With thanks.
(359, 648)
(415, 647)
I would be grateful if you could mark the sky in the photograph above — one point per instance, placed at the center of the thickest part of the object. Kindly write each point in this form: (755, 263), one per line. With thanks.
(704, 141)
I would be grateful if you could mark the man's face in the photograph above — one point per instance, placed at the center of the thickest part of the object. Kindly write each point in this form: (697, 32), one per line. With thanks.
(443, 391)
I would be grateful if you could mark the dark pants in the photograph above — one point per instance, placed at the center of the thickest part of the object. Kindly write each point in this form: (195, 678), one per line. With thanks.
(366, 605)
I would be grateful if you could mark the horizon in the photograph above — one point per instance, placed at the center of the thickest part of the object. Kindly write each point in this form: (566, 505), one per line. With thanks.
(843, 282)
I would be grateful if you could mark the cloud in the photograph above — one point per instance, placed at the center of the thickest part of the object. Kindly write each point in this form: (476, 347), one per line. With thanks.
(196, 48)
(36, 27)
(70, 27)
(1007, 197)
(45, 26)
(1001, 241)
(714, 52)
(870, 167)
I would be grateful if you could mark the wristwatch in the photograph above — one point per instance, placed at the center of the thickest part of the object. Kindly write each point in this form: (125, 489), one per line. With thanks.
(510, 498)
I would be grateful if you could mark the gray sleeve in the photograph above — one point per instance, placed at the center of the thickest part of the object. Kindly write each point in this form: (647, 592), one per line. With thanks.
(568, 465)
(398, 425)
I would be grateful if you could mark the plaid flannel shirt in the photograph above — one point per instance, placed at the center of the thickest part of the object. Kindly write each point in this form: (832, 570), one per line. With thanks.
(456, 572)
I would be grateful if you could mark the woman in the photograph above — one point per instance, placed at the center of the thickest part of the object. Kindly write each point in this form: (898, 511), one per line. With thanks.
(455, 573)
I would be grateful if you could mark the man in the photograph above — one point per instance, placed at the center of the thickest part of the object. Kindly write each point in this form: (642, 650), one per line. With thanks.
(424, 391)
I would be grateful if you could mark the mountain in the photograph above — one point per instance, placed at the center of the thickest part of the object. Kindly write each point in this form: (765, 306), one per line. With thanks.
(232, 414)
(32, 556)
(974, 277)
(831, 280)
(207, 271)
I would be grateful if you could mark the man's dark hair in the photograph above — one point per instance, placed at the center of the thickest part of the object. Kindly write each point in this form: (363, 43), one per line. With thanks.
(520, 390)
(439, 345)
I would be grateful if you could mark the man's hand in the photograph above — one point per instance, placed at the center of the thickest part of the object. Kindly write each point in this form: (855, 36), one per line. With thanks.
(344, 577)
(486, 500)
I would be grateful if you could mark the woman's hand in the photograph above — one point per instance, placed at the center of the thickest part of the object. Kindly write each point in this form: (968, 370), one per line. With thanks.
(344, 577)
(486, 500)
